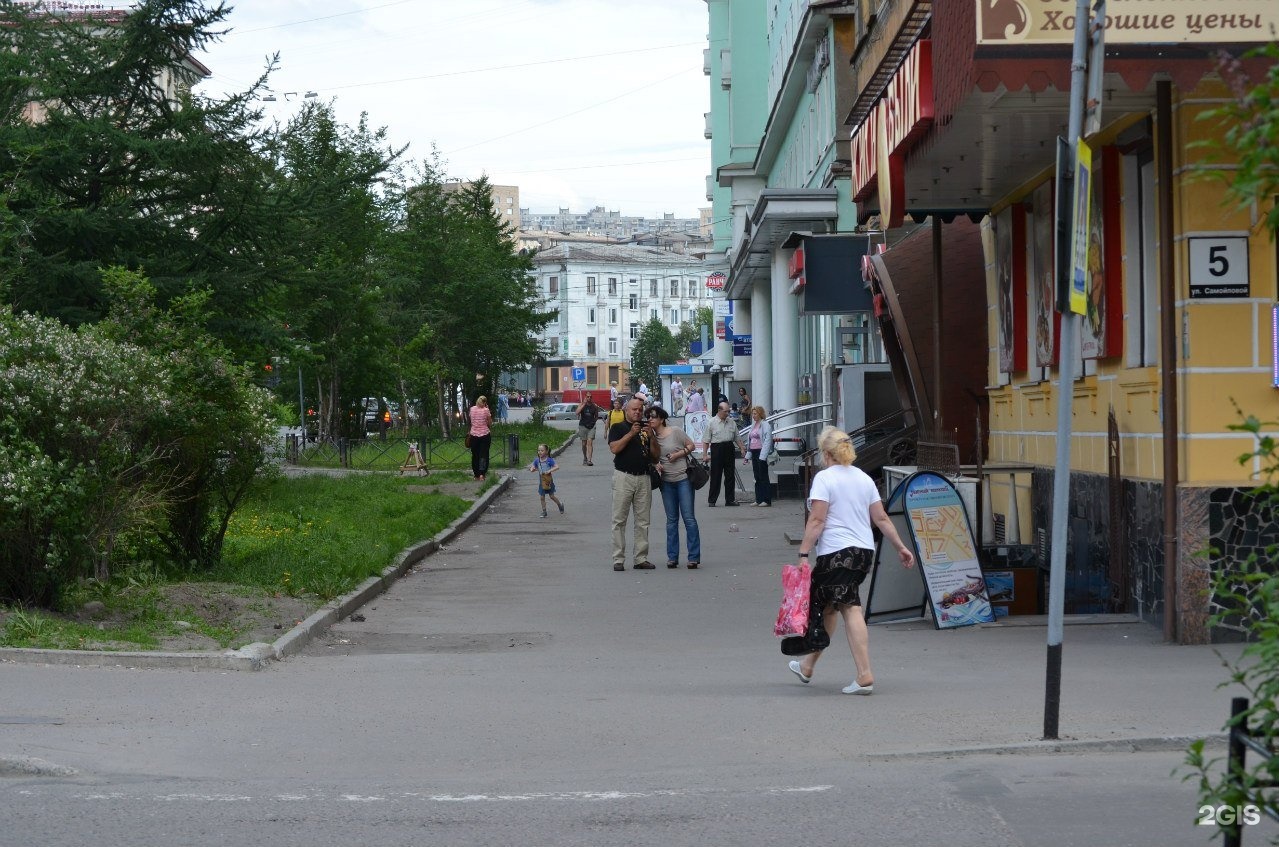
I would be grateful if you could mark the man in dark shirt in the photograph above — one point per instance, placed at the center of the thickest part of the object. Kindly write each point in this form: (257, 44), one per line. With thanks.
(634, 448)
(587, 414)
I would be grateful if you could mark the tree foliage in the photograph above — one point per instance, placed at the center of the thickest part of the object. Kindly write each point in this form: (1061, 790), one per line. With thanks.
(1247, 593)
(655, 346)
(1250, 124)
(107, 159)
(691, 330)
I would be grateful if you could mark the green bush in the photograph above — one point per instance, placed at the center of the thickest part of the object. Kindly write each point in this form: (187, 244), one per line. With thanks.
(82, 461)
(1248, 595)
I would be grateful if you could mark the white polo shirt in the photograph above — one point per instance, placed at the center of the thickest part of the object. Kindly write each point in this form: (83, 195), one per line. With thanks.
(849, 494)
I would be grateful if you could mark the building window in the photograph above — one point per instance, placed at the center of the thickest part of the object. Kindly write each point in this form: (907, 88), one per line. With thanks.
(652, 314)
(592, 372)
(612, 350)
(692, 289)
(652, 288)
(1141, 277)
(633, 302)
(674, 317)
(555, 344)
(675, 288)
(634, 331)
(612, 286)
(553, 286)
(633, 281)
(590, 348)
(613, 373)
(590, 285)
(612, 316)
(552, 379)
(590, 315)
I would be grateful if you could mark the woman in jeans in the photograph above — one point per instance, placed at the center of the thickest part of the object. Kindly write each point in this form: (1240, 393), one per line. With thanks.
(759, 441)
(677, 491)
(481, 435)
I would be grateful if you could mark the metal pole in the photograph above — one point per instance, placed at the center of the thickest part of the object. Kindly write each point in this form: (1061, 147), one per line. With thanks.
(301, 408)
(1065, 396)
(1167, 351)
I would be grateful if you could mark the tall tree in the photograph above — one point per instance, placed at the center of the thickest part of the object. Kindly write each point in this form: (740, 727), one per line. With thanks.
(655, 346)
(331, 177)
(106, 159)
(691, 330)
(464, 299)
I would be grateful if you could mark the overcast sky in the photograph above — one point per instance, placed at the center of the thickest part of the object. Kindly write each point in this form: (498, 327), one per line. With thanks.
(580, 103)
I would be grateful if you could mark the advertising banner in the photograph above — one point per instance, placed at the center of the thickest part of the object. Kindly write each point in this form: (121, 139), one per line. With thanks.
(947, 555)
(1008, 23)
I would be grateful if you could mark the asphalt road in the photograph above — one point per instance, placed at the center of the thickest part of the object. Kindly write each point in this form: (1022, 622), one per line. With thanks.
(515, 690)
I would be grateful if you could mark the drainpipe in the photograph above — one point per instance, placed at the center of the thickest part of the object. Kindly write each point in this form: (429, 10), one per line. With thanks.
(937, 333)
(1168, 351)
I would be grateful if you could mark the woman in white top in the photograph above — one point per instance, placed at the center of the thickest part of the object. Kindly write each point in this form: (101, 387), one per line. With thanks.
(842, 505)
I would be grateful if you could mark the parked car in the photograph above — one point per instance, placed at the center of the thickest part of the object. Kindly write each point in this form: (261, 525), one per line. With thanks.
(378, 413)
(561, 412)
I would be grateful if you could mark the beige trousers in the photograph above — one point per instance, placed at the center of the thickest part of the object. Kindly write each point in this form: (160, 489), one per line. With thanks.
(631, 492)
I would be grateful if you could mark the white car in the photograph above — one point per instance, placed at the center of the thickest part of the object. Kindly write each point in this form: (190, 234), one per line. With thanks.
(561, 412)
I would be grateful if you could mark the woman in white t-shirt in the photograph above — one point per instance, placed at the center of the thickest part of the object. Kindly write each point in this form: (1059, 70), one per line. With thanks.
(842, 505)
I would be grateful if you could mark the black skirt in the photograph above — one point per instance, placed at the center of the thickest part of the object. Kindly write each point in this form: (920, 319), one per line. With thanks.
(834, 582)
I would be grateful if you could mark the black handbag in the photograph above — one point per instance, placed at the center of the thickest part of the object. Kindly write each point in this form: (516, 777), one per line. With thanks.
(698, 473)
(654, 477)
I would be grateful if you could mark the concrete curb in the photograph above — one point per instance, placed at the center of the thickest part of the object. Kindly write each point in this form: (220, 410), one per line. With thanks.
(29, 766)
(1108, 745)
(253, 657)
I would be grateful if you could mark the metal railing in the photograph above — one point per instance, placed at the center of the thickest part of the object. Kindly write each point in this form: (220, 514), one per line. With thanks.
(1241, 741)
(388, 454)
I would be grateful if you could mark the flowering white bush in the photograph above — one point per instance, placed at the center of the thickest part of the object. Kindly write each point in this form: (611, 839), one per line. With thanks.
(77, 433)
(153, 439)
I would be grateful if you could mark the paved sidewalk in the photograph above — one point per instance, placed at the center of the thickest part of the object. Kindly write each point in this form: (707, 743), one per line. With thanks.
(701, 641)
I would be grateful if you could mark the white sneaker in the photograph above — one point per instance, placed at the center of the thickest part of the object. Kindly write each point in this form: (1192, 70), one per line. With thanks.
(854, 688)
(798, 669)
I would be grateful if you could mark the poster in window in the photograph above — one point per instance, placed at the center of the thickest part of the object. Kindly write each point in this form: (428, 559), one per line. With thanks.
(1043, 287)
(1004, 282)
(1093, 326)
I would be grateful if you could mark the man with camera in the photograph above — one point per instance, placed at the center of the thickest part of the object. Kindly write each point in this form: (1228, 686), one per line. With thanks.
(634, 449)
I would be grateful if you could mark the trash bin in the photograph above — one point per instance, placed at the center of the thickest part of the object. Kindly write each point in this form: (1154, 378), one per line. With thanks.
(513, 448)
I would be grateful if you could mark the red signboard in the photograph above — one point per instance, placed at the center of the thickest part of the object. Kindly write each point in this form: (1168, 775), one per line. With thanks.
(715, 282)
(900, 117)
(797, 261)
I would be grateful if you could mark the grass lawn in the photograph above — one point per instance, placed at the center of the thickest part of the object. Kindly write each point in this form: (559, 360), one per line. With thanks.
(294, 544)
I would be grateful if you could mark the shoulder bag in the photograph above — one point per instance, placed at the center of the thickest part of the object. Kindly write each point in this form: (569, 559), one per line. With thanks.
(698, 473)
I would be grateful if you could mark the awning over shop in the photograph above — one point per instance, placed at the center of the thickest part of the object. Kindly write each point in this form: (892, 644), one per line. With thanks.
(777, 213)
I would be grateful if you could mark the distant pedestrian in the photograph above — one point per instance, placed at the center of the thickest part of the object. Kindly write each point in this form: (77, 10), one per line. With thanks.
(842, 504)
(723, 454)
(634, 449)
(674, 447)
(759, 441)
(616, 415)
(677, 396)
(744, 402)
(545, 467)
(503, 406)
(588, 414)
(696, 401)
(481, 436)
(612, 392)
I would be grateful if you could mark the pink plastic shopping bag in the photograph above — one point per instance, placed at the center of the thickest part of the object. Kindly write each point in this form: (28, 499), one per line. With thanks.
(792, 617)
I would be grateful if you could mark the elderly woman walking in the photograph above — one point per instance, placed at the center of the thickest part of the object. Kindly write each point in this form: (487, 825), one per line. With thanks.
(842, 505)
